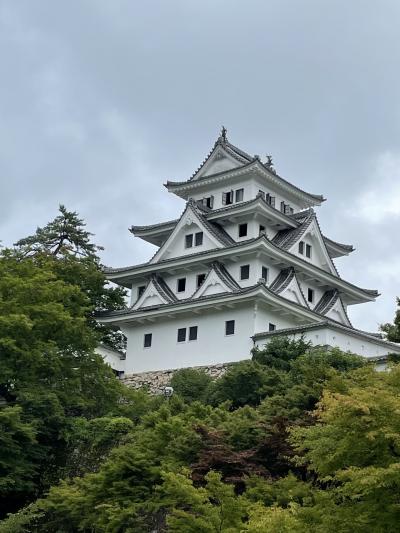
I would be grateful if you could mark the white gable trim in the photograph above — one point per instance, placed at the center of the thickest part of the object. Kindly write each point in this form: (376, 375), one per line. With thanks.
(188, 217)
(338, 313)
(213, 280)
(294, 293)
(314, 231)
(151, 291)
(217, 154)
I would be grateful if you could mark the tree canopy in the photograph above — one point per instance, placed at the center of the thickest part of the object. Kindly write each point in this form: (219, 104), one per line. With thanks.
(297, 439)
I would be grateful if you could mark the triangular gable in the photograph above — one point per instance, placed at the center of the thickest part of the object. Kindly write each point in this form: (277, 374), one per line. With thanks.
(292, 291)
(219, 160)
(152, 295)
(217, 281)
(338, 313)
(320, 251)
(190, 222)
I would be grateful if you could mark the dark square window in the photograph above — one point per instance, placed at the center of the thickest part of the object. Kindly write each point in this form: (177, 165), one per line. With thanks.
(239, 195)
(181, 334)
(209, 202)
(229, 327)
(198, 241)
(181, 284)
(264, 273)
(227, 198)
(148, 337)
(271, 327)
(242, 230)
(310, 295)
(141, 290)
(308, 251)
(200, 279)
(189, 240)
(245, 272)
(193, 333)
(301, 247)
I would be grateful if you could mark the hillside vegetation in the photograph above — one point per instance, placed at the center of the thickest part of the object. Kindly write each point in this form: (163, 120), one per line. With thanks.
(297, 439)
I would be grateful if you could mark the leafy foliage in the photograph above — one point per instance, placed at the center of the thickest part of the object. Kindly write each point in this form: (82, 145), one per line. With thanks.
(393, 330)
(298, 439)
(192, 385)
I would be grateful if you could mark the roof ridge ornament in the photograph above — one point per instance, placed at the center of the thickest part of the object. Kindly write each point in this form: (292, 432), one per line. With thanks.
(223, 136)
(270, 164)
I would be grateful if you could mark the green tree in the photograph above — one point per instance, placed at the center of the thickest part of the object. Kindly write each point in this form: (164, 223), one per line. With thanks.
(393, 330)
(354, 448)
(65, 245)
(210, 509)
(191, 384)
(280, 351)
(48, 368)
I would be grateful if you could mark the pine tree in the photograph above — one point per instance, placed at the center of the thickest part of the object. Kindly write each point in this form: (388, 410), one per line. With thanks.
(66, 242)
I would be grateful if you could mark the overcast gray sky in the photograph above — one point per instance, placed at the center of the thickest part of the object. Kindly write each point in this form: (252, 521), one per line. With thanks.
(101, 101)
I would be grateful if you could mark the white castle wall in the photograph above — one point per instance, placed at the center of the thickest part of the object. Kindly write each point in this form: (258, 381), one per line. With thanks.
(341, 340)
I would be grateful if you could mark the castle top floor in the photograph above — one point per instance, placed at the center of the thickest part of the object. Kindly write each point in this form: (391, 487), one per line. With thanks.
(229, 175)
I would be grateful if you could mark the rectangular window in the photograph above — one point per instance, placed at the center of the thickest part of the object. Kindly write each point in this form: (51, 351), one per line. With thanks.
(262, 194)
(283, 207)
(271, 327)
(308, 251)
(262, 229)
(141, 290)
(239, 195)
(301, 247)
(193, 333)
(200, 279)
(272, 201)
(198, 241)
(245, 272)
(209, 202)
(287, 209)
(242, 230)
(229, 327)
(148, 337)
(181, 285)
(189, 240)
(264, 273)
(181, 335)
(227, 198)
(291, 211)
(310, 295)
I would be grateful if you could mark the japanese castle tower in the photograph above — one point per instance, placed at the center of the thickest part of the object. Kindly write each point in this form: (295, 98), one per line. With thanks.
(245, 261)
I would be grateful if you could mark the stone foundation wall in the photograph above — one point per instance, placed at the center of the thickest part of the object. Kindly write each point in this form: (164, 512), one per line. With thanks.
(155, 381)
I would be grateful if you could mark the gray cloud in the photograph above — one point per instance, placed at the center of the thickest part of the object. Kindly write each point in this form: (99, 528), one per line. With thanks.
(101, 101)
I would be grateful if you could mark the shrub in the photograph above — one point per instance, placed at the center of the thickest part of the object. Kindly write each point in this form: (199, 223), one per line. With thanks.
(191, 384)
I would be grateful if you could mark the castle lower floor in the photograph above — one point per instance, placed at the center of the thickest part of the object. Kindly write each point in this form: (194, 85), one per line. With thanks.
(228, 334)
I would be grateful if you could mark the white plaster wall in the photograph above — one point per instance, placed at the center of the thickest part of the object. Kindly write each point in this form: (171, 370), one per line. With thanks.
(251, 184)
(177, 247)
(341, 340)
(211, 347)
(191, 281)
(112, 358)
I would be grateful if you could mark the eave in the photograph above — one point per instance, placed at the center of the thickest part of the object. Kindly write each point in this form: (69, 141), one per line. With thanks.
(184, 188)
(277, 302)
(156, 233)
(261, 244)
(337, 249)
